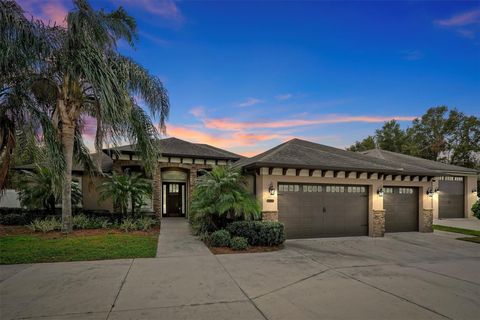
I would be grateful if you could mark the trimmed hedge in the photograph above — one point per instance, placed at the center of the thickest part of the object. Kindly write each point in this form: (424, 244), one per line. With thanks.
(258, 233)
(220, 238)
(239, 243)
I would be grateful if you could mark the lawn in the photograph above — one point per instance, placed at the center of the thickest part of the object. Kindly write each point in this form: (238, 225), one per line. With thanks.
(31, 248)
(475, 235)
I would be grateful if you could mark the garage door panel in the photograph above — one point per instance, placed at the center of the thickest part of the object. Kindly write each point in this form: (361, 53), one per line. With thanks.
(451, 198)
(313, 212)
(401, 209)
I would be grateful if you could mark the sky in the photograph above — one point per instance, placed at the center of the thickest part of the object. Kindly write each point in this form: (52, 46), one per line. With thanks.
(248, 75)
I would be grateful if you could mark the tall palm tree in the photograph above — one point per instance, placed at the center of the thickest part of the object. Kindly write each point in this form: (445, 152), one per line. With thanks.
(86, 76)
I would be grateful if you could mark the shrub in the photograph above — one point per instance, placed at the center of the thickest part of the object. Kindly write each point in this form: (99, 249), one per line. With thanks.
(45, 225)
(258, 233)
(128, 224)
(145, 223)
(13, 219)
(476, 209)
(220, 238)
(81, 221)
(239, 243)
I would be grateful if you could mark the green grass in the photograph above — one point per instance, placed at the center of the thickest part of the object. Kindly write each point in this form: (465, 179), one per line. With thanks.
(471, 239)
(457, 230)
(35, 248)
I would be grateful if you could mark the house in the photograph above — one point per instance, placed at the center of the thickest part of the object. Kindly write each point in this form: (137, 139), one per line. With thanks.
(315, 190)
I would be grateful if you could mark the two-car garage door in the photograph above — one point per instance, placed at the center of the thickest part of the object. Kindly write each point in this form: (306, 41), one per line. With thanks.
(320, 210)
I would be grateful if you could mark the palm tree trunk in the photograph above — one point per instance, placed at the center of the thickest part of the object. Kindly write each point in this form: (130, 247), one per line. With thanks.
(68, 131)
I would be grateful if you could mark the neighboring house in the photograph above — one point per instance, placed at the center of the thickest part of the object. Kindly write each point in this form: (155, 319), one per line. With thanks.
(315, 190)
(321, 191)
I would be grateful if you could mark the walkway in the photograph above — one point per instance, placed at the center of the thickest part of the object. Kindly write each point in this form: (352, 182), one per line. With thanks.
(176, 240)
(471, 224)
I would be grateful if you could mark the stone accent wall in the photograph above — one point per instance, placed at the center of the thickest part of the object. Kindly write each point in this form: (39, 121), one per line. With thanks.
(378, 226)
(157, 192)
(269, 215)
(426, 220)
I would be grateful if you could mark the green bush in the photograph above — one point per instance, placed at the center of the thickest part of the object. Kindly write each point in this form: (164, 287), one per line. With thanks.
(239, 243)
(82, 221)
(145, 223)
(220, 238)
(476, 209)
(13, 219)
(128, 224)
(258, 233)
(45, 225)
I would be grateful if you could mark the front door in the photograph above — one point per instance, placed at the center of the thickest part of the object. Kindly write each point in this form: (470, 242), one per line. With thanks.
(174, 199)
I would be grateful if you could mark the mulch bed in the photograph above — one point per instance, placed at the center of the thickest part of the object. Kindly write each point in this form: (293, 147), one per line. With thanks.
(254, 249)
(19, 230)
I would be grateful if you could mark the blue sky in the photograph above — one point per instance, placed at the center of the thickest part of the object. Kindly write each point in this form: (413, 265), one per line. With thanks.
(246, 76)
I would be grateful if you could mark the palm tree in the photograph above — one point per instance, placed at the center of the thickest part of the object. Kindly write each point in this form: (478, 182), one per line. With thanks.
(41, 189)
(221, 195)
(86, 76)
(126, 189)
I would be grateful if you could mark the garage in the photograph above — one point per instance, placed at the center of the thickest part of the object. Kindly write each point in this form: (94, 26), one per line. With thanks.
(401, 209)
(322, 210)
(450, 197)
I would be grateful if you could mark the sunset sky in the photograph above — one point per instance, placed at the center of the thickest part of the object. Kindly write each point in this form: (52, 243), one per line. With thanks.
(246, 76)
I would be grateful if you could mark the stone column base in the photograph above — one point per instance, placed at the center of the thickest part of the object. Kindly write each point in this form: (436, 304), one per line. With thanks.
(269, 215)
(378, 225)
(426, 221)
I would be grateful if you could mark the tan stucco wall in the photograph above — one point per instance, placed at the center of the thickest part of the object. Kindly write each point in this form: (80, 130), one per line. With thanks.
(91, 194)
(375, 201)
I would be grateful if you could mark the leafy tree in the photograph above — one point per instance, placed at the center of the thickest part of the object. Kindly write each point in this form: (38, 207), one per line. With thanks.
(84, 75)
(390, 137)
(221, 195)
(126, 190)
(462, 139)
(366, 144)
(41, 189)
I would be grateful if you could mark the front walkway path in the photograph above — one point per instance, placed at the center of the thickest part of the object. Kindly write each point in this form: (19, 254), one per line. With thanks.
(176, 240)
(471, 223)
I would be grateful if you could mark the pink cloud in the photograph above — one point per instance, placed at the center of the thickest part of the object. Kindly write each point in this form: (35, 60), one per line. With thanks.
(198, 111)
(229, 124)
(50, 12)
(250, 102)
(462, 19)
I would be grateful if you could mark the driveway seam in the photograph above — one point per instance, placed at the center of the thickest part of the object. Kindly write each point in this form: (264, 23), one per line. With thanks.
(57, 315)
(120, 289)
(14, 275)
(239, 287)
(393, 294)
(441, 274)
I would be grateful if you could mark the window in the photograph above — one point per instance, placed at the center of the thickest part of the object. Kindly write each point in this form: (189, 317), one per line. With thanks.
(173, 188)
(405, 190)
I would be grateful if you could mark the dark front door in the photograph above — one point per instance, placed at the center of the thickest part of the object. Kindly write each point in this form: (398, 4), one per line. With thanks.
(174, 199)
(401, 209)
(314, 210)
(451, 198)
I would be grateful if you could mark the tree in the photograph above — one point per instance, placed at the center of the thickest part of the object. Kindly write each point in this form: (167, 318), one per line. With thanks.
(221, 195)
(126, 189)
(85, 76)
(41, 189)
(390, 137)
(462, 139)
(366, 144)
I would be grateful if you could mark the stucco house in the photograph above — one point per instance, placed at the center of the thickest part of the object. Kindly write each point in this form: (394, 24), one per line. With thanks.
(315, 190)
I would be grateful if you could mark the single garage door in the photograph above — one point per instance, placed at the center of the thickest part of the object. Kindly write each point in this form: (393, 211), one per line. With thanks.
(451, 197)
(401, 209)
(317, 210)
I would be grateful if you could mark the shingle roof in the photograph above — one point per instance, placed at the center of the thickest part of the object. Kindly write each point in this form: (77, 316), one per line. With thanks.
(405, 160)
(298, 153)
(177, 147)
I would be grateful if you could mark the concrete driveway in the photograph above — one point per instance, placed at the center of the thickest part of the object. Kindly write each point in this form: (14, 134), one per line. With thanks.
(471, 223)
(401, 276)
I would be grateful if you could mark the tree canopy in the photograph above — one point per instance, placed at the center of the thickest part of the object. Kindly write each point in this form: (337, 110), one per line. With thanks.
(440, 135)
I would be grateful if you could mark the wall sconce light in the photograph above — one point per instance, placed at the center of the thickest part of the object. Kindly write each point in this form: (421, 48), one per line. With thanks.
(430, 192)
(436, 190)
(380, 192)
(475, 191)
(271, 189)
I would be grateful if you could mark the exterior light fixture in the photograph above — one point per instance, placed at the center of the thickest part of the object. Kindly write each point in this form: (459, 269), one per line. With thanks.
(380, 192)
(436, 190)
(475, 191)
(271, 189)
(430, 192)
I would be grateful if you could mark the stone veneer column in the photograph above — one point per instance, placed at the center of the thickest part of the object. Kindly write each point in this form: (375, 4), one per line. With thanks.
(157, 192)
(378, 229)
(269, 215)
(191, 185)
(426, 221)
